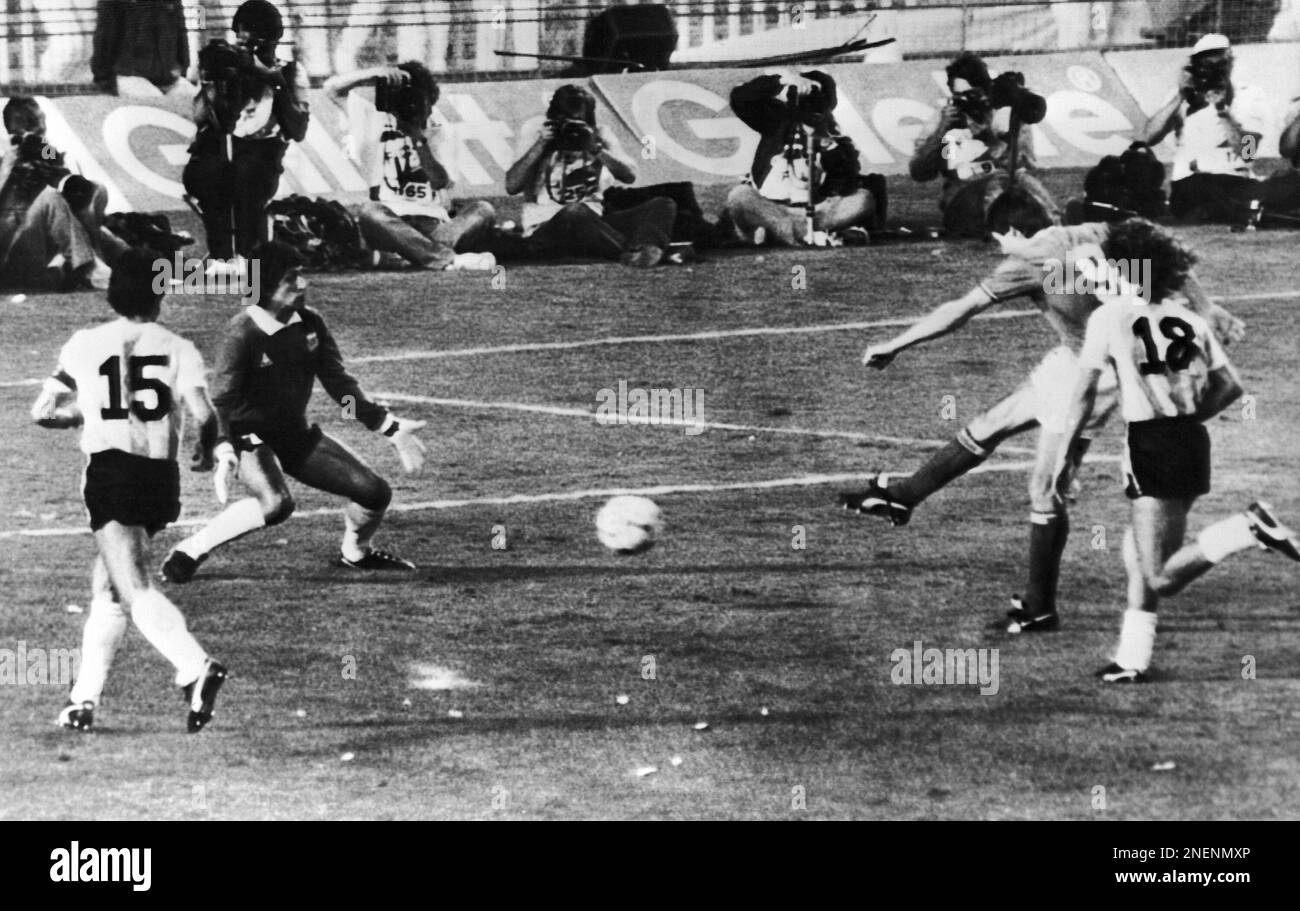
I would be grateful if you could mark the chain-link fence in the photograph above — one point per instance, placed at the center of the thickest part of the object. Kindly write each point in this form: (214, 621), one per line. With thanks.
(47, 43)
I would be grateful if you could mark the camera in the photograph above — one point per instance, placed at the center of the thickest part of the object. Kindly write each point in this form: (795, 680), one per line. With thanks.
(571, 134)
(403, 100)
(1209, 72)
(1008, 91)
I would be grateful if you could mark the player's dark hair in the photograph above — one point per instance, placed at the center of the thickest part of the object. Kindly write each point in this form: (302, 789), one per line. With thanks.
(1138, 240)
(133, 286)
(20, 106)
(972, 68)
(421, 80)
(259, 17)
(274, 261)
(1018, 208)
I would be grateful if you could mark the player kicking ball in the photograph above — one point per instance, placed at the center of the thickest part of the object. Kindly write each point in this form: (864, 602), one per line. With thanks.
(1173, 376)
(122, 383)
(272, 353)
(1040, 401)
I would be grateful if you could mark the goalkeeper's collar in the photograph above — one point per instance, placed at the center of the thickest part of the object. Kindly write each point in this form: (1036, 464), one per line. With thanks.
(264, 320)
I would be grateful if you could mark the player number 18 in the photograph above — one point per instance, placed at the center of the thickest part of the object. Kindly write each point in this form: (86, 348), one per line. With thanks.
(1179, 353)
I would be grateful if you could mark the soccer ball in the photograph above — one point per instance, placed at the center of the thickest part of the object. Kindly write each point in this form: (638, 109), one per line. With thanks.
(628, 525)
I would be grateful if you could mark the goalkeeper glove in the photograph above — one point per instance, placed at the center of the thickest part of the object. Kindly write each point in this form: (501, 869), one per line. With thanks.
(410, 448)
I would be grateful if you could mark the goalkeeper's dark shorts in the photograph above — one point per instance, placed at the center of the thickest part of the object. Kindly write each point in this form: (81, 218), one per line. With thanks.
(131, 490)
(291, 446)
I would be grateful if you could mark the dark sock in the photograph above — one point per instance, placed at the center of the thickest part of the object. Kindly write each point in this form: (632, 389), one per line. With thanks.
(946, 465)
(1047, 537)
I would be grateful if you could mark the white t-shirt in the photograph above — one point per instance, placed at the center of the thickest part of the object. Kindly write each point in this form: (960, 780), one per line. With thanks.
(1205, 144)
(128, 378)
(1163, 354)
(388, 159)
(562, 178)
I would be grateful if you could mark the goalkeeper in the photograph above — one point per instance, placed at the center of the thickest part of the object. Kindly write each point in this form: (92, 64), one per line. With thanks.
(269, 358)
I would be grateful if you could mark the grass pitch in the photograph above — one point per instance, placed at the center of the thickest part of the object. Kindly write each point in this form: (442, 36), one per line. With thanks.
(758, 674)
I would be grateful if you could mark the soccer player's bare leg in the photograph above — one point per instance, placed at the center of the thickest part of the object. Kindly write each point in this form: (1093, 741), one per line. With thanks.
(125, 550)
(334, 468)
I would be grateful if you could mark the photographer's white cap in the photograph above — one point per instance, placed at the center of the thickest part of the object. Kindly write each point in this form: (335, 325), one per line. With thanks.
(1211, 42)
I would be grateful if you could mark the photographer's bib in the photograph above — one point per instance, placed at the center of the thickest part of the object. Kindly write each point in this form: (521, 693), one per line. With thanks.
(389, 160)
(1207, 142)
(559, 179)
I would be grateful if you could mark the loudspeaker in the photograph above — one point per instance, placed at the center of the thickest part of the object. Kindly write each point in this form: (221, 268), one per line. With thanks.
(628, 35)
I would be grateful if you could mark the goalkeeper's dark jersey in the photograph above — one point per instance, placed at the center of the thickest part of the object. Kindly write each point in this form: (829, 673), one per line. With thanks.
(265, 371)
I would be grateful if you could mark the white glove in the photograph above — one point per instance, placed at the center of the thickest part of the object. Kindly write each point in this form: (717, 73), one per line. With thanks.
(410, 448)
(227, 469)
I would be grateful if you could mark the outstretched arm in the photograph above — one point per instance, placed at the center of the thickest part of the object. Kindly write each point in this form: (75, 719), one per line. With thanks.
(942, 320)
(56, 407)
(1227, 327)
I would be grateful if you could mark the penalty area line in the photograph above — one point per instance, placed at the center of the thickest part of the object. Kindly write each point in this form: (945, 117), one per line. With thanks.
(661, 490)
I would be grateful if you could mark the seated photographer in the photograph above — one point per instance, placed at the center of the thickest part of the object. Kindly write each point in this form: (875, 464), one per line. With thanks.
(248, 110)
(1217, 128)
(52, 234)
(409, 201)
(563, 170)
(792, 117)
(973, 146)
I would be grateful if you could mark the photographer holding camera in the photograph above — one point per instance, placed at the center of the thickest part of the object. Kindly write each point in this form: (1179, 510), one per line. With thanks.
(250, 107)
(1218, 128)
(408, 209)
(802, 164)
(563, 170)
(982, 146)
(52, 233)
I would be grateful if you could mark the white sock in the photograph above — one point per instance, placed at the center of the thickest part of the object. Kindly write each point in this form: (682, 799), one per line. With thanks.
(235, 521)
(1137, 640)
(359, 526)
(1226, 537)
(164, 626)
(100, 639)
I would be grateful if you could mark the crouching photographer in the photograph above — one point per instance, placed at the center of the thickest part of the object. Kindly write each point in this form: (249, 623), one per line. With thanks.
(563, 171)
(982, 146)
(389, 117)
(52, 234)
(806, 180)
(249, 108)
(1218, 128)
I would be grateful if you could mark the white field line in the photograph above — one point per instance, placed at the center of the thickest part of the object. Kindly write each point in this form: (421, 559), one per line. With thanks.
(558, 411)
(662, 490)
(734, 333)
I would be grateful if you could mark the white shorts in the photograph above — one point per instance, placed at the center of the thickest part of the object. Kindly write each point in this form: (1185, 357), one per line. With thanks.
(1053, 382)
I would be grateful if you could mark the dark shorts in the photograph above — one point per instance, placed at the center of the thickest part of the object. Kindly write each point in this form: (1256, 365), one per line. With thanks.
(132, 490)
(1167, 458)
(291, 447)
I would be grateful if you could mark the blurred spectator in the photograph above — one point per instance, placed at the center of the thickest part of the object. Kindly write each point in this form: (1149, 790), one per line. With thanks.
(1286, 27)
(141, 49)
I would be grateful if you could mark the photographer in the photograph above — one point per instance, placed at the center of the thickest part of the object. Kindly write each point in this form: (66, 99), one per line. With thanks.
(249, 109)
(563, 170)
(408, 209)
(973, 146)
(794, 117)
(1218, 128)
(51, 220)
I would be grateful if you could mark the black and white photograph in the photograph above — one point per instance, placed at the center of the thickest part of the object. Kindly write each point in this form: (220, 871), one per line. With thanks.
(562, 410)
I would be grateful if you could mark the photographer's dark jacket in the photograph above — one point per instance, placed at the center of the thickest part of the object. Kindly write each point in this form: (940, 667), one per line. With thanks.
(963, 150)
(780, 168)
(265, 115)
